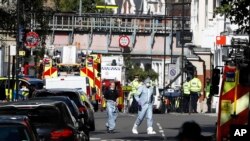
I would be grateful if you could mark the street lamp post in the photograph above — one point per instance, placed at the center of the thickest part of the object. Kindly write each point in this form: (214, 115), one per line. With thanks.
(182, 51)
(164, 53)
(17, 44)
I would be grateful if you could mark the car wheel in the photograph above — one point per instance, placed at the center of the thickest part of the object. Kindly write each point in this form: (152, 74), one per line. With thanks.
(92, 125)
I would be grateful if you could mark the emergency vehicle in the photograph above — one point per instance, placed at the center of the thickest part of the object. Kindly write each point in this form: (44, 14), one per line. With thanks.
(101, 70)
(234, 90)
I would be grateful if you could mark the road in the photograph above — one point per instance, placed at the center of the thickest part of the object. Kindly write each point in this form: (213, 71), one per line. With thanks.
(166, 125)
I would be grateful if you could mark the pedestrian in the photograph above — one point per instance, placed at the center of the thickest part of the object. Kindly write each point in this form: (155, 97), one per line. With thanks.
(144, 97)
(190, 131)
(111, 96)
(208, 95)
(135, 85)
(186, 96)
(195, 89)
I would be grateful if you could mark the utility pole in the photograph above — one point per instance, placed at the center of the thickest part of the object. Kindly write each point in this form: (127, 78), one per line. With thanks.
(80, 8)
(164, 56)
(17, 44)
(182, 51)
(172, 26)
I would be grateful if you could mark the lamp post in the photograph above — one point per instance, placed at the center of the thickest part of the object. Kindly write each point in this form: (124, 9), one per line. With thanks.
(164, 53)
(80, 8)
(182, 51)
(17, 44)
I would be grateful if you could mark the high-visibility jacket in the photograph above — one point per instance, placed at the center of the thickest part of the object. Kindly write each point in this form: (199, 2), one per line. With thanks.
(25, 92)
(135, 85)
(208, 90)
(186, 88)
(195, 85)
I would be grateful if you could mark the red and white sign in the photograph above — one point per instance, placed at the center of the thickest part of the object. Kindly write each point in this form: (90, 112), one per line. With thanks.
(220, 40)
(124, 41)
(32, 39)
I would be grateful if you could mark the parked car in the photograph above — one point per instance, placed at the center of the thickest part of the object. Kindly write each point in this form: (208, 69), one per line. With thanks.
(74, 95)
(16, 128)
(73, 109)
(52, 119)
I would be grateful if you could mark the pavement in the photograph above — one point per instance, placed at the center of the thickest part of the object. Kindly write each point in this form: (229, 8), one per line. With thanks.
(166, 125)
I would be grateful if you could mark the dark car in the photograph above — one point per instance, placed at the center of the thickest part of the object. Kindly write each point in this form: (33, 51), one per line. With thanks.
(52, 119)
(16, 128)
(74, 95)
(72, 107)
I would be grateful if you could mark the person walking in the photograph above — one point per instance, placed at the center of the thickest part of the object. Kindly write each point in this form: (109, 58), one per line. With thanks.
(195, 89)
(111, 96)
(186, 96)
(144, 97)
(208, 95)
(135, 85)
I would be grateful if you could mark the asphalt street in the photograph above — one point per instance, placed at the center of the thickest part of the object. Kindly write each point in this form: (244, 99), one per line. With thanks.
(166, 125)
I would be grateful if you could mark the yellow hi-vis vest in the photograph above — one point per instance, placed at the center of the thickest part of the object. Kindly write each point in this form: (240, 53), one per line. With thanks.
(8, 95)
(135, 85)
(195, 85)
(186, 87)
(208, 90)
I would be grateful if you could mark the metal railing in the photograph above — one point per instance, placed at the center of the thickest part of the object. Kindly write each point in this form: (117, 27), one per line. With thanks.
(115, 23)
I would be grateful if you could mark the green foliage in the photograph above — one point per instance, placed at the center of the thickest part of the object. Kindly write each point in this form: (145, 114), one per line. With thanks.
(67, 5)
(88, 6)
(238, 12)
(132, 72)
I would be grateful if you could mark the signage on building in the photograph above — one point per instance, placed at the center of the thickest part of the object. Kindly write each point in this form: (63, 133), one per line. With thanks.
(124, 41)
(183, 38)
(32, 39)
(172, 71)
(220, 40)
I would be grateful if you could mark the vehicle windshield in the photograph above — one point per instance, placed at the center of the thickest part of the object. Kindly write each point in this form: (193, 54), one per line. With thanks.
(13, 133)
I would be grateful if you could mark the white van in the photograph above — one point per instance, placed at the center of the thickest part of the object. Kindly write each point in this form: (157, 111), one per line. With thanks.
(71, 82)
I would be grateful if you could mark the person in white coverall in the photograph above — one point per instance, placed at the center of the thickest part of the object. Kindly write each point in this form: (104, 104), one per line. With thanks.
(144, 97)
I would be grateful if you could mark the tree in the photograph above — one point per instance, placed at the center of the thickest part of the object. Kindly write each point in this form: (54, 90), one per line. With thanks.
(88, 6)
(238, 11)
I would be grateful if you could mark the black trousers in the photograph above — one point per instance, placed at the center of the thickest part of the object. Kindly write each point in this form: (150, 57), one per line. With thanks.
(186, 100)
(209, 100)
(194, 100)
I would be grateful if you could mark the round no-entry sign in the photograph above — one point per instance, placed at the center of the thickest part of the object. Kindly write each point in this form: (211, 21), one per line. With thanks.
(124, 41)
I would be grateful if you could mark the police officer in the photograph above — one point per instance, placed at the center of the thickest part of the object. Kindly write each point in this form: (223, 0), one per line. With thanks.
(135, 85)
(144, 97)
(208, 96)
(195, 89)
(186, 95)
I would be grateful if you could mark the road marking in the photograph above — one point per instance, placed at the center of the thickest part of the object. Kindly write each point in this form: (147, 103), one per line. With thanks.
(126, 114)
(161, 131)
(94, 139)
